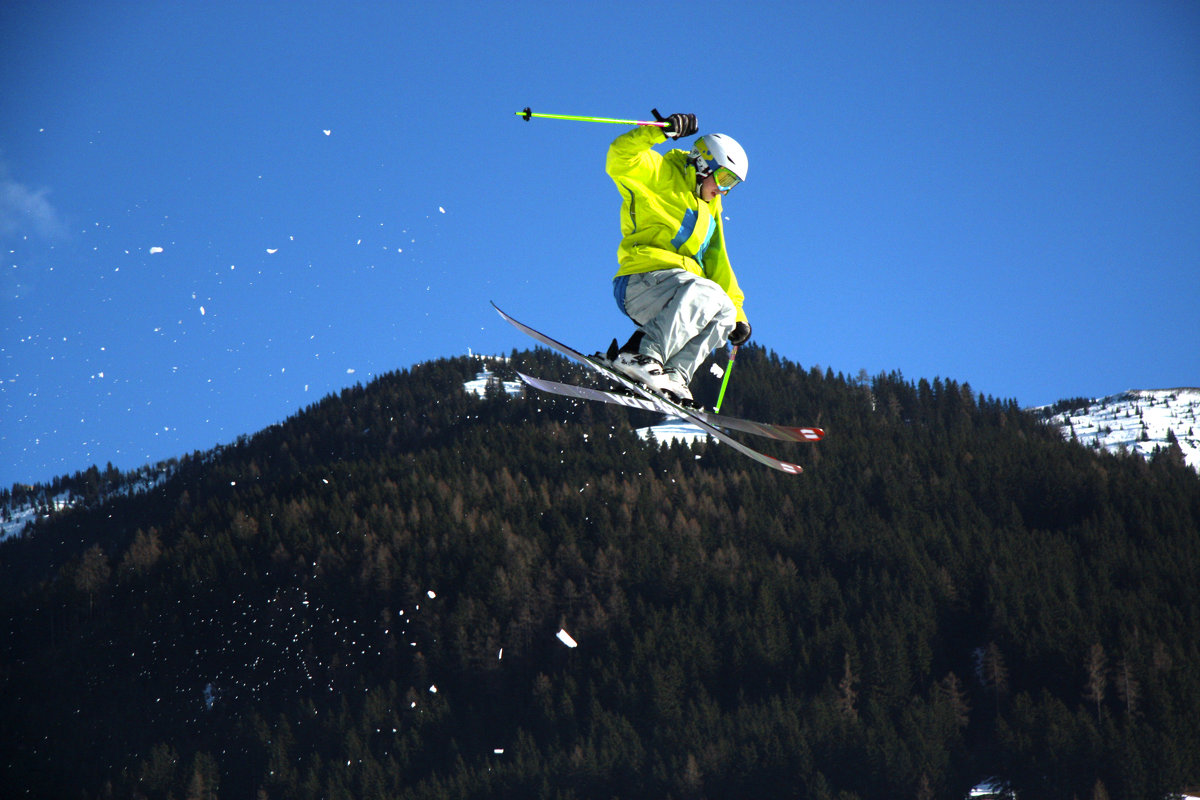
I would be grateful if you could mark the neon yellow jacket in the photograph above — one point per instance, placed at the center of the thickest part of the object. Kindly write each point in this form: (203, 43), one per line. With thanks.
(664, 224)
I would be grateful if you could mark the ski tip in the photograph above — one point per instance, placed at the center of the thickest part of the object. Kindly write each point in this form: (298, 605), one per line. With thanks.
(505, 315)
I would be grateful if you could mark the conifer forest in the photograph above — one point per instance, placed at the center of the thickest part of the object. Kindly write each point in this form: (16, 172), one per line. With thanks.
(364, 602)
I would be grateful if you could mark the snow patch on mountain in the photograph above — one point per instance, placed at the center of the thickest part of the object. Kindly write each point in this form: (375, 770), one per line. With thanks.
(22, 507)
(1135, 421)
(673, 430)
(486, 378)
(14, 519)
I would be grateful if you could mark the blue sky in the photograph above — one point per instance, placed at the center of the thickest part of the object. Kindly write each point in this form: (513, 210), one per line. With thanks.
(1003, 193)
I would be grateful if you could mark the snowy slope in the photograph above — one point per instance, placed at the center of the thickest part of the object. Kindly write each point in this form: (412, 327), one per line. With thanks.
(23, 509)
(15, 516)
(13, 520)
(1135, 421)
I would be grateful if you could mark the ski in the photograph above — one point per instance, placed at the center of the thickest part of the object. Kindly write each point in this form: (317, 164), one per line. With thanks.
(661, 403)
(784, 433)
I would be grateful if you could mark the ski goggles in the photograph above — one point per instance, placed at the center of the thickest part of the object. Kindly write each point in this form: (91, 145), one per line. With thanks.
(726, 179)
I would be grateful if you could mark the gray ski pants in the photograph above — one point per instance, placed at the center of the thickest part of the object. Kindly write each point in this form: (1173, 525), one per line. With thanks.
(684, 317)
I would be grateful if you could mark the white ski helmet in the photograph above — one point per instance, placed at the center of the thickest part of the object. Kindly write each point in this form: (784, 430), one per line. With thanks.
(713, 151)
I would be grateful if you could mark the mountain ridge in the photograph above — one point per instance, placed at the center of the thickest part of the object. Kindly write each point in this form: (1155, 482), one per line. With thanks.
(1080, 419)
(1136, 420)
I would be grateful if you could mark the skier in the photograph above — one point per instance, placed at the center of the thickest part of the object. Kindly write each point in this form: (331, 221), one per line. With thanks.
(674, 280)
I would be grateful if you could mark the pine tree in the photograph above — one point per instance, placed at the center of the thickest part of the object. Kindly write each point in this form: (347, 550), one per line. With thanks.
(1127, 686)
(205, 778)
(93, 574)
(1096, 672)
(847, 695)
(951, 690)
(994, 673)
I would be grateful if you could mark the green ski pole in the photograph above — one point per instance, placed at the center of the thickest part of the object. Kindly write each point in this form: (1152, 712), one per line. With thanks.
(725, 380)
(526, 114)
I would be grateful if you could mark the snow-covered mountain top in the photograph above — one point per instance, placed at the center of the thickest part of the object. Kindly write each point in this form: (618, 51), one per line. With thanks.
(1135, 421)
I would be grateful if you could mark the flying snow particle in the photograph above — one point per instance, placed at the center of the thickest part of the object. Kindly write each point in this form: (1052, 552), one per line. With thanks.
(350, 371)
(156, 250)
(326, 131)
(202, 311)
(566, 639)
(433, 689)
(498, 751)
(272, 250)
(432, 594)
(441, 209)
(716, 370)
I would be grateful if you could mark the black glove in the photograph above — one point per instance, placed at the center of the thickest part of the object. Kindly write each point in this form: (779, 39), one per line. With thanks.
(678, 125)
(740, 335)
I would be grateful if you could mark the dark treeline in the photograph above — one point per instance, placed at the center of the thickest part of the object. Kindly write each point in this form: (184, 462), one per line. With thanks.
(363, 602)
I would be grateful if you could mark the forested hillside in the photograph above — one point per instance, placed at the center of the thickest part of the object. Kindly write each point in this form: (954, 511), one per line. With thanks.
(363, 602)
